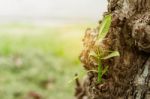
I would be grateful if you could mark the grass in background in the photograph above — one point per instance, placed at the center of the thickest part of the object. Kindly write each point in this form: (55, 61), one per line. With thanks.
(38, 61)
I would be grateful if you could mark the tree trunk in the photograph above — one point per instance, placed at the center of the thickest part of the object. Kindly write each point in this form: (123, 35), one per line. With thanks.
(128, 75)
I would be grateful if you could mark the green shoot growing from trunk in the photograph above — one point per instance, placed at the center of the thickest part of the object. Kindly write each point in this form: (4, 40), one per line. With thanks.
(104, 29)
(96, 53)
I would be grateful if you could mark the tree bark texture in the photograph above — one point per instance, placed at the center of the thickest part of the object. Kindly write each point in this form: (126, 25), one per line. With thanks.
(128, 76)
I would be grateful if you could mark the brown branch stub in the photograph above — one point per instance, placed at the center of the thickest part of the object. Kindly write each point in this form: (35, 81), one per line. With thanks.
(141, 31)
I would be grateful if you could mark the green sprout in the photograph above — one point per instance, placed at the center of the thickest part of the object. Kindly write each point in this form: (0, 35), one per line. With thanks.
(100, 54)
(102, 71)
(104, 28)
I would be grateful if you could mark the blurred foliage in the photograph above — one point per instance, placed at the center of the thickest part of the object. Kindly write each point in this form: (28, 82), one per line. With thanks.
(36, 62)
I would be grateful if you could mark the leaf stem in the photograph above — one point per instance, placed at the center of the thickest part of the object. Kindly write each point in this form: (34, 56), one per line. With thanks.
(99, 71)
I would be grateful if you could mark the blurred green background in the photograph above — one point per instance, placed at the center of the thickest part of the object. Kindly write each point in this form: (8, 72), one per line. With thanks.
(39, 61)
(40, 42)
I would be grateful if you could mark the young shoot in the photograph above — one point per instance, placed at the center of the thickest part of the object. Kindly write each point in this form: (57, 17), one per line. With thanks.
(104, 29)
(98, 53)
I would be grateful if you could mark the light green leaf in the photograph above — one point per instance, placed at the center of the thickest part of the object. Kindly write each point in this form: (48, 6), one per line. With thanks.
(105, 70)
(112, 54)
(92, 71)
(93, 54)
(80, 75)
(104, 27)
(72, 80)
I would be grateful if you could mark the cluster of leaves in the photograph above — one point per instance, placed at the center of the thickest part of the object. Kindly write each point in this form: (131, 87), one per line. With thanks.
(104, 28)
(99, 53)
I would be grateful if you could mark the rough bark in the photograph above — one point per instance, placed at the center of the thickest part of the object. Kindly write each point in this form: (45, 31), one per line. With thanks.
(128, 75)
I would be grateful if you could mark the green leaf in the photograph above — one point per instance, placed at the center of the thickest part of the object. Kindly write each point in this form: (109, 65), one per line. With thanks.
(92, 71)
(80, 75)
(93, 54)
(72, 80)
(99, 72)
(112, 54)
(104, 27)
(105, 70)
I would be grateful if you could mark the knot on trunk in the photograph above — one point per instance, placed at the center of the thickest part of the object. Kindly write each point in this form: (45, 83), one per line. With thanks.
(141, 32)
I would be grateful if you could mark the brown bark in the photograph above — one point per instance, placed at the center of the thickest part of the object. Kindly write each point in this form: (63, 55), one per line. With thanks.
(128, 75)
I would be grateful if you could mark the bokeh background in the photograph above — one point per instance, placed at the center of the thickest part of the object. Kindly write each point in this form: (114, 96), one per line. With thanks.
(40, 41)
